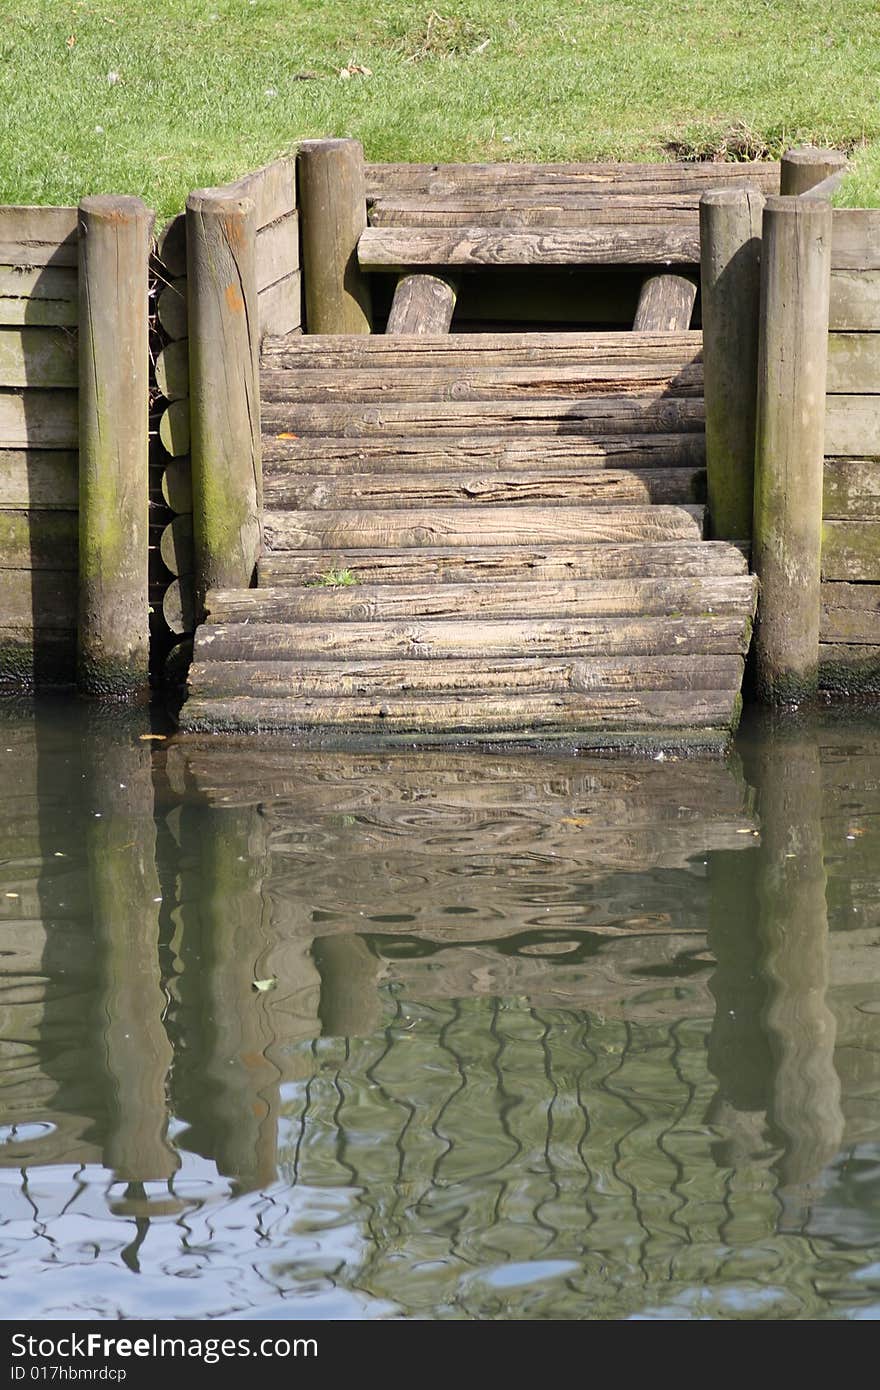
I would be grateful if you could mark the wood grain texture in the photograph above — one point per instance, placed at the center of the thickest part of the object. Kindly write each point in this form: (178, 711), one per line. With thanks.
(172, 370)
(171, 308)
(333, 217)
(280, 306)
(563, 209)
(851, 613)
(855, 300)
(43, 357)
(174, 428)
(665, 305)
(493, 563)
(277, 251)
(46, 296)
(176, 546)
(606, 178)
(503, 599)
(386, 248)
(854, 363)
(177, 485)
(272, 188)
(422, 305)
(475, 525)
(851, 550)
(417, 454)
(802, 169)
(38, 419)
(852, 426)
(855, 239)
(38, 236)
(38, 478)
(334, 352)
(46, 540)
(851, 490)
(287, 490)
(600, 415)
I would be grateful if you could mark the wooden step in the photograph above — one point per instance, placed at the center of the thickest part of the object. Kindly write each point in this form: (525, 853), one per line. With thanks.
(404, 603)
(542, 381)
(455, 565)
(315, 454)
(224, 679)
(692, 635)
(600, 415)
(562, 209)
(560, 487)
(601, 177)
(471, 714)
(476, 526)
(403, 248)
(478, 351)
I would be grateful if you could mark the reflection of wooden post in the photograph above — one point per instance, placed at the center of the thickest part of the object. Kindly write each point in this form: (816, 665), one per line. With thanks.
(793, 928)
(349, 1005)
(124, 885)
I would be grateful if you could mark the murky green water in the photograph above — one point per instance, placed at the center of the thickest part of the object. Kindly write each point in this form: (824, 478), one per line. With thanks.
(542, 1037)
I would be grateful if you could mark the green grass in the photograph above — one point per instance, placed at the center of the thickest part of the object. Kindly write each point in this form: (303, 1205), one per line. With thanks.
(333, 579)
(157, 98)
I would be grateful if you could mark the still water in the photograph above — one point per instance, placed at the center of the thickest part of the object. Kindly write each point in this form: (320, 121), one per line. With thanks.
(313, 1034)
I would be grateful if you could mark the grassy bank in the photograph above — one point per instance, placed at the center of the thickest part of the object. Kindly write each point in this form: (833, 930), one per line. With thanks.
(156, 99)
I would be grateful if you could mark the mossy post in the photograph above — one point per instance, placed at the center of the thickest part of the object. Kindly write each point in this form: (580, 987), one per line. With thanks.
(730, 253)
(224, 345)
(333, 214)
(789, 450)
(804, 168)
(113, 617)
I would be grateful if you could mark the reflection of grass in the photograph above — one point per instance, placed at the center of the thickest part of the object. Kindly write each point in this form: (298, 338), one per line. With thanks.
(333, 579)
(115, 95)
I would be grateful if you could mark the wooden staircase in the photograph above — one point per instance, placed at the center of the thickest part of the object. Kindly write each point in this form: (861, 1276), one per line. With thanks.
(482, 536)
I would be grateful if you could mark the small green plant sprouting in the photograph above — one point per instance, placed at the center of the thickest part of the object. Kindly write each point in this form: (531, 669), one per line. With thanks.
(333, 579)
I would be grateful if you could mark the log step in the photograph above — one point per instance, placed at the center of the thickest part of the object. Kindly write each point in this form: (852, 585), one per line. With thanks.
(508, 599)
(563, 209)
(471, 714)
(455, 565)
(609, 179)
(328, 679)
(344, 352)
(687, 635)
(313, 454)
(562, 487)
(541, 380)
(393, 248)
(474, 526)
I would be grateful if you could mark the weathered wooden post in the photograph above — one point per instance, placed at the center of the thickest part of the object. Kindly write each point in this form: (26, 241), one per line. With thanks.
(422, 304)
(790, 432)
(113, 621)
(333, 214)
(730, 254)
(224, 389)
(666, 303)
(804, 168)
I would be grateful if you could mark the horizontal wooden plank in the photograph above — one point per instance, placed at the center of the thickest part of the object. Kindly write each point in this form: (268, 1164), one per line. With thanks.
(597, 486)
(503, 599)
(854, 363)
(342, 679)
(273, 189)
(38, 357)
(331, 352)
(855, 239)
(418, 454)
(280, 306)
(851, 489)
(36, 236)
(38, 599)
(849, 669)
(600, 415)
(172, 370)
(387, 248)
(855, 300)
(38, 419)
(177, 484)
(171, 308)
(457, 565)
(852, 426)
(475, 525)
(850, 613)
(540, 380)
(607, 178)
(378, 641)
(277, 251)
(851, 550)
(45, 296)
(563, 210)
(34, 661)
(42, 478)
(449, 714)
(38, 540)
(174, 428)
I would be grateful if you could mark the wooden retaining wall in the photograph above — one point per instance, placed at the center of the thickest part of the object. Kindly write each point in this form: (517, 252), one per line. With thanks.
(38, 445)
(278, 294)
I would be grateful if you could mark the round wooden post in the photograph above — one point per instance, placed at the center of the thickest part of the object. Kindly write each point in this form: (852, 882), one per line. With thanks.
(665, 305)
(224, 389)
(789, 449)
(333, 214)
(730, 256)
(422, 304)
(801, 169)
(113, 624)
